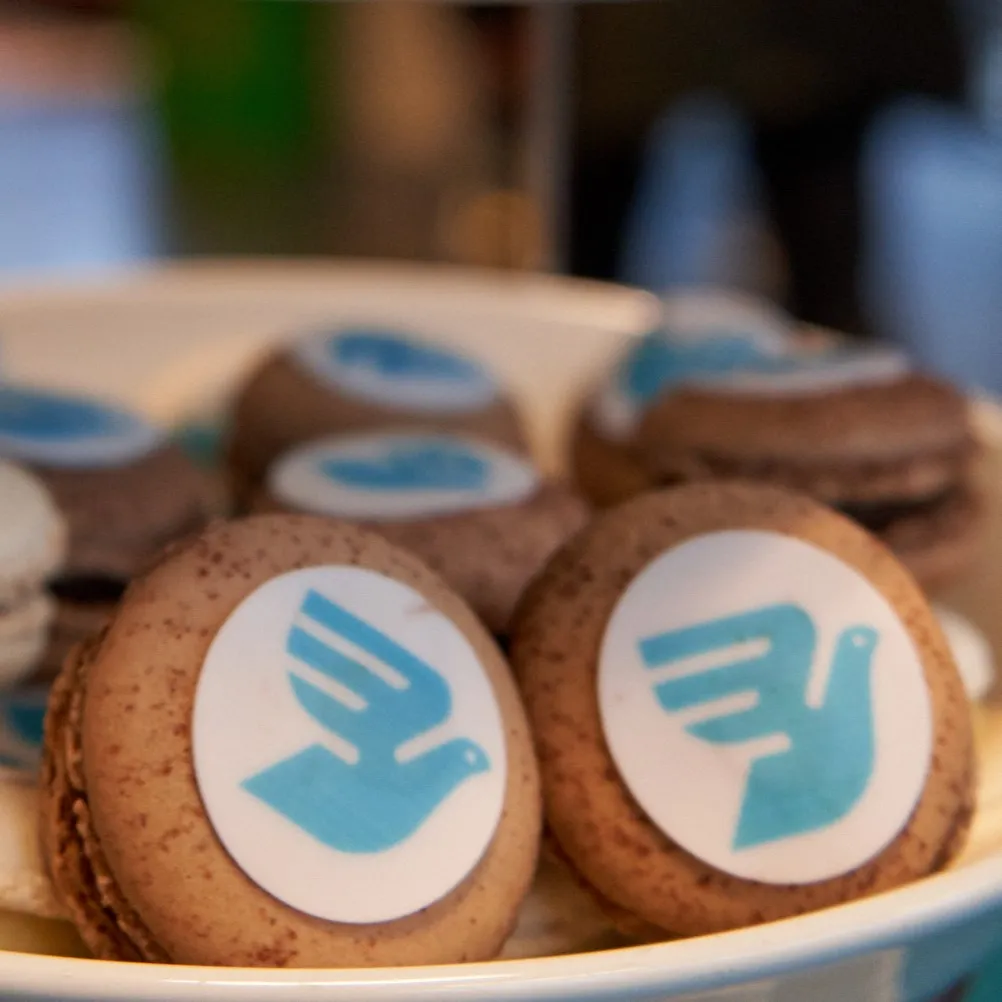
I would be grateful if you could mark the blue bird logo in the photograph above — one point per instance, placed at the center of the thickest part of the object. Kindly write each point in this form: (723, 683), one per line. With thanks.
(829, 758)
(38, 415)
(399, 357)
(420, 465)
(385, 795)
(659, 361)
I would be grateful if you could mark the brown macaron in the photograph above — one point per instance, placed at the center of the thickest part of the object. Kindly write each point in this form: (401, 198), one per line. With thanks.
(124, 489)
(477, 513)
(293, 746)
(744, 710)
(854, 427)
(357, 379)
(701, 330)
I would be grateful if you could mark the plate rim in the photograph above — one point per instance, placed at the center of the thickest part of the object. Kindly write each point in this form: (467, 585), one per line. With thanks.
(890, 920)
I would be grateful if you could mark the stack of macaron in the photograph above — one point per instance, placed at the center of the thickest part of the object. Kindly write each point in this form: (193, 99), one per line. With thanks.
(121, 486)
(32, 553)
(857, 427)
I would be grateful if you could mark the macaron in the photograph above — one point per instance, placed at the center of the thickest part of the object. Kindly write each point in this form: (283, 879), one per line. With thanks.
(744, 710)
(702, 330)
(854, 425)
(293, 746)
(479, 514)
(123, 488)
(358, 378)
(32, 550)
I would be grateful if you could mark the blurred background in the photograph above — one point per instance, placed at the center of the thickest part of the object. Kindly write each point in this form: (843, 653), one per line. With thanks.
(842, 156)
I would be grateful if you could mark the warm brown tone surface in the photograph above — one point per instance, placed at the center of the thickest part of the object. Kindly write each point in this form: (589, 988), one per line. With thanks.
(127, 840)
(282, 404)
(120, 516)
(488, 555)
(556, 637)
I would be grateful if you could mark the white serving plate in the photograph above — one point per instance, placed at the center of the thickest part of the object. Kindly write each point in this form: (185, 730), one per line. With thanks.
(171, 340)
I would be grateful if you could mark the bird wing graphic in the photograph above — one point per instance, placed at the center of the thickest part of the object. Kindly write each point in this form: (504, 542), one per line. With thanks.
(427, 464)
(382, 715)
(778, 675)
(398, 356)
(828, 761)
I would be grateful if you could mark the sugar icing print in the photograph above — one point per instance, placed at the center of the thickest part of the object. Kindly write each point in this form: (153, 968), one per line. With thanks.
(831, 743)
(376, 801)
(660, 360)
(839, 366)
(388, 476)
(346, 738)
(417, 465)
(779, 739)
(22, 718)
(41, 426)
(397, 370)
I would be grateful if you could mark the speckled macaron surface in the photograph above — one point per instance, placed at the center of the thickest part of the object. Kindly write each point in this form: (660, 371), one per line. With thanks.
(744, 710)
(356, 378)
(293, 746)
(478, 513)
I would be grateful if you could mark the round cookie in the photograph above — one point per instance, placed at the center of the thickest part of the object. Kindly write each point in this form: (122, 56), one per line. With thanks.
(32, 550)
(696, 665)
(356, 379)
(703, 331)
(293, 746)
(477, 513)
(854, 426)
(122, 487)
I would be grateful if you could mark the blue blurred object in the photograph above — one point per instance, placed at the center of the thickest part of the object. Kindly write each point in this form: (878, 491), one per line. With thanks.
(79, 185)
(697, 181)
(933, 267)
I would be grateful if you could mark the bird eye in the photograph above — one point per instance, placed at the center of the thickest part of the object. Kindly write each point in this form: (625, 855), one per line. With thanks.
(471, 756)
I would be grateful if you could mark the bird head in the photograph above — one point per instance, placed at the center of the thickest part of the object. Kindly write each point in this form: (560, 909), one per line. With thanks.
(858, 641)
(473, 758)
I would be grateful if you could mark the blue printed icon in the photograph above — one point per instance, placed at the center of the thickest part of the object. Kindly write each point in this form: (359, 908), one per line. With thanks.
(829, 759)
(659, 361)
(395, 356)
(419, 464)
(36, 414)
(380, 800)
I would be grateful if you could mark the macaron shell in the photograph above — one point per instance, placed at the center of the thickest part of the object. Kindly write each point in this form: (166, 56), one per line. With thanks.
(605, 472)
(120, 516)
(908, 438)
(129, 791)
(939, 545)
(487, 555)
(555, 642)
(282, 404)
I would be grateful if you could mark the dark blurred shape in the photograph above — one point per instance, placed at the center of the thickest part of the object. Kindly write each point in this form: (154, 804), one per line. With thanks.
(241, 89)
(809, 75)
